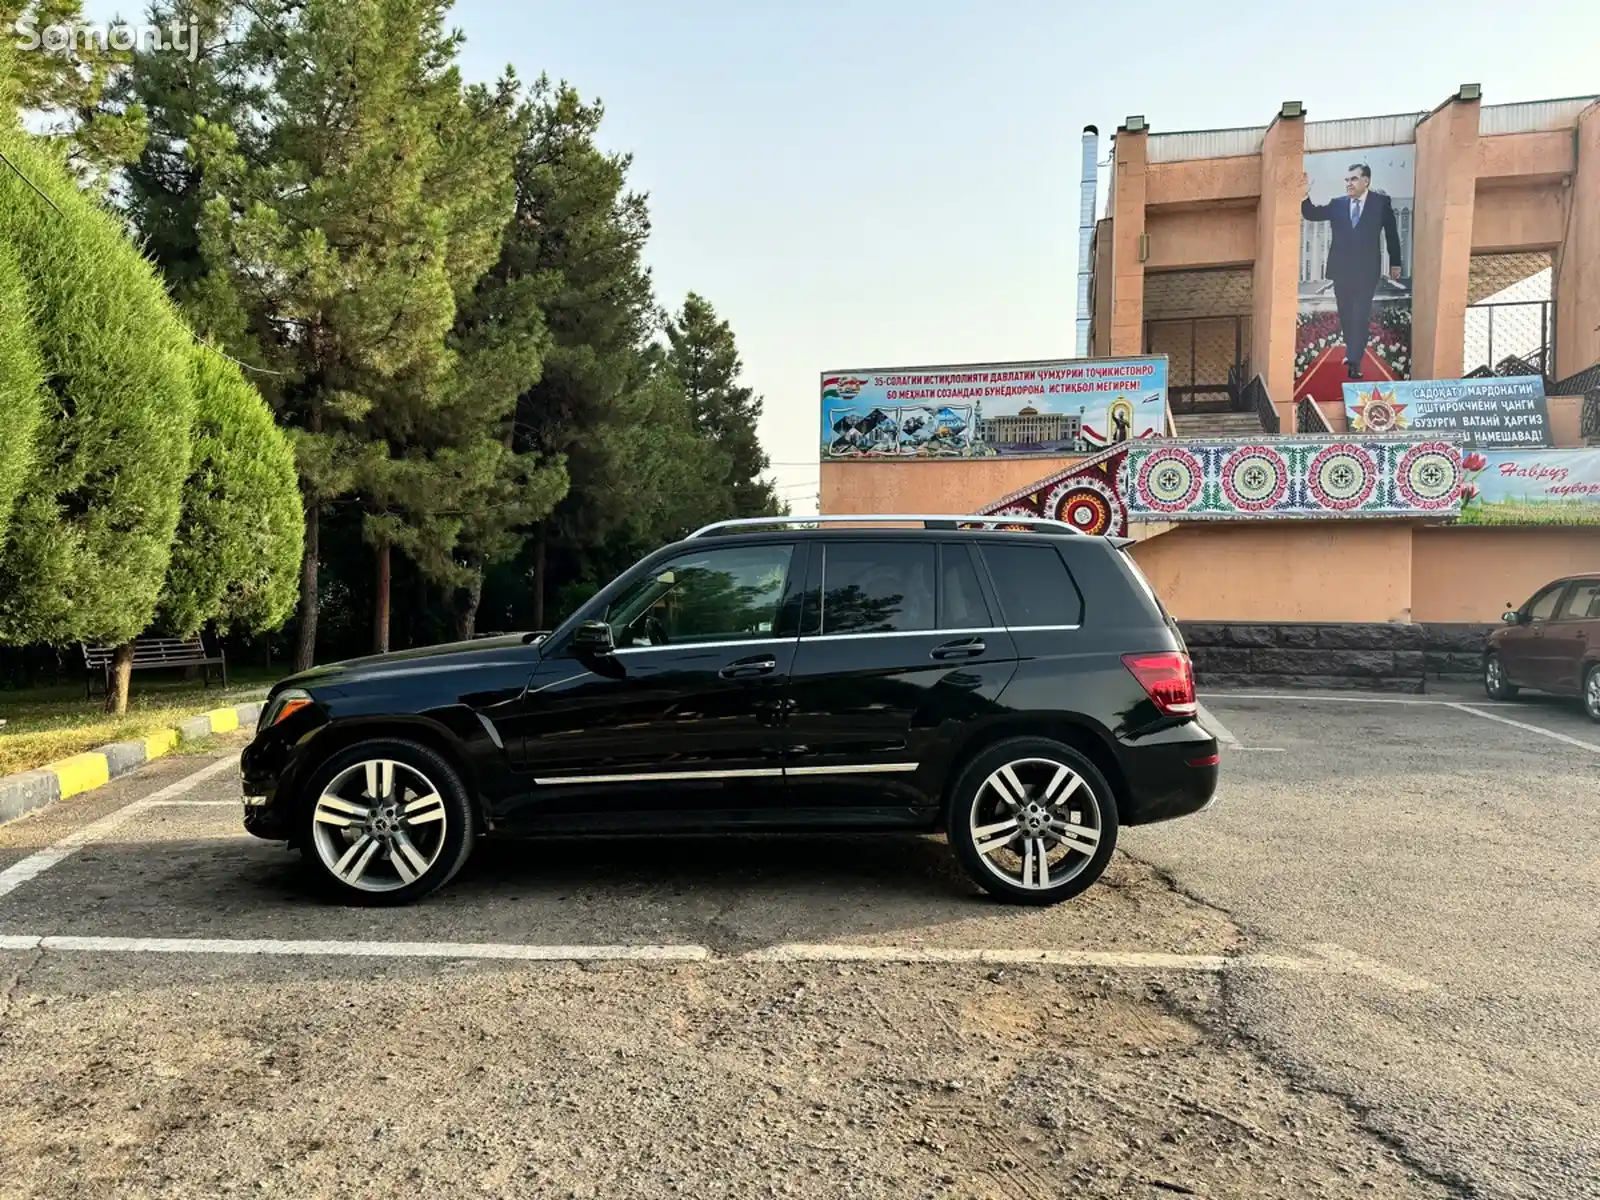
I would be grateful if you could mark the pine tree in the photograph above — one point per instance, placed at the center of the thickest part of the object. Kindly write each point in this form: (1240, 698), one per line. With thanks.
(236, 556)
(580, 234)
(90, 540)
(706, 360)
(69, 89)
(341, 220)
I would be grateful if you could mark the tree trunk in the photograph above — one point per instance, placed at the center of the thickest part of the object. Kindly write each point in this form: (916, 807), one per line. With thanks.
(467, 610)
(380, 623)
(538, 577)
(121, 672)
(305, 646)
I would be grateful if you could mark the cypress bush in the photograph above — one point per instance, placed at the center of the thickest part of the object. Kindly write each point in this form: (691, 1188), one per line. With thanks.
(236, 557)
(21, 385)
(92, 532)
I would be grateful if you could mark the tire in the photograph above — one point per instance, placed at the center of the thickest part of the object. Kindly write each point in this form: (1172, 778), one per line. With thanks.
(1018, 868)
(357, 850)
(1591, 692)
(1494, 679)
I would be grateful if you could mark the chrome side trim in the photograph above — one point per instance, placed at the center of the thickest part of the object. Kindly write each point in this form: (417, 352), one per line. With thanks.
(898, 633)
(750, 773)
(783, 641)
(654, 776)
(494, 734)
(1041, 628)
(868, 769)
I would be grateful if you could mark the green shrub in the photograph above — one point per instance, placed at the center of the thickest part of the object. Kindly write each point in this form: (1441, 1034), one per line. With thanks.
(236, 558)
(92, 534)
(21, 380)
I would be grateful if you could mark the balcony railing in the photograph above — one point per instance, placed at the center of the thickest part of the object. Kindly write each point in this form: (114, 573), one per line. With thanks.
(1513, 337)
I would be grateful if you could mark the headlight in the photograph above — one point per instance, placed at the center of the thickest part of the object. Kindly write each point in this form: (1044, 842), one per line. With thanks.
(285, 704)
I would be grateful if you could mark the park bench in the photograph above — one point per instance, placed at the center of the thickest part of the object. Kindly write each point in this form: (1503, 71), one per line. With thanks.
(150, 654)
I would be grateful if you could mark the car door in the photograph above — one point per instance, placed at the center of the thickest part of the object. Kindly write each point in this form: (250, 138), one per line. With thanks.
(899, 648)
(1522, 650)
(1566, 636)
(682, 723)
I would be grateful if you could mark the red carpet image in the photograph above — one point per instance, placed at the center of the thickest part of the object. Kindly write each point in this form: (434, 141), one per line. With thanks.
(1326, 378)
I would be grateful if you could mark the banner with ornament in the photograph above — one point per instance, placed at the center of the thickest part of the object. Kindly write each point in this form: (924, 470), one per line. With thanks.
(1087, 496)
(1480, 414)
(1531, 487)
(1292, 478)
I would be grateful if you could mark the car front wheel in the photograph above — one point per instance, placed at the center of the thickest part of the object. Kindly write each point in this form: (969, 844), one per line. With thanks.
(1494, 680)
(1032, 821)
(386, 822)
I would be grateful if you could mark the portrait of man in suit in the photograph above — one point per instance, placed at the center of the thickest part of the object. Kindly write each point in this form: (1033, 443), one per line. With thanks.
(1363, 224)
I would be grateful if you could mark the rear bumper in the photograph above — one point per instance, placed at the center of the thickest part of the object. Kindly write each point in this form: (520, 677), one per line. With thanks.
(1172, 775)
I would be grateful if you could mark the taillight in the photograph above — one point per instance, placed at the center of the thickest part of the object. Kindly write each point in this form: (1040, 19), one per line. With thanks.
(1168, 678)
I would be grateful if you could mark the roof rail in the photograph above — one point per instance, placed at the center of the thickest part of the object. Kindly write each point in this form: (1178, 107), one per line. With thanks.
(927, 520)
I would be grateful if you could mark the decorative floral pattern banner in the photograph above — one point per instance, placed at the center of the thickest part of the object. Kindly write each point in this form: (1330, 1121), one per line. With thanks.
(1086, 496)
(1311, 477)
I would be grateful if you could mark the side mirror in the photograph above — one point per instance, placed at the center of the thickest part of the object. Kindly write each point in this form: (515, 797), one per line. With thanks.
(1511, 617)
(594, 638)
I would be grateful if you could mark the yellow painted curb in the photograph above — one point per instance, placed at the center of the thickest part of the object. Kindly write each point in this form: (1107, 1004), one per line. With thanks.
(161, 743)
(81, 773)
(224, 720)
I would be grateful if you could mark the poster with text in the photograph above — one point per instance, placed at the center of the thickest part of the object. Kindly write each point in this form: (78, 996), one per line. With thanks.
(1531, 487)
(1060, 406)
(1356, 226)
(1503, 412)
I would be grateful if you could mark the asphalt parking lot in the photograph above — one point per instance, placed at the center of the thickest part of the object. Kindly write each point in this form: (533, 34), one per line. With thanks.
(1372, 969)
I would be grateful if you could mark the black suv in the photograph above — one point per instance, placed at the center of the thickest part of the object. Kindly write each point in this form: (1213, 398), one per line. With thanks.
(1011, 682)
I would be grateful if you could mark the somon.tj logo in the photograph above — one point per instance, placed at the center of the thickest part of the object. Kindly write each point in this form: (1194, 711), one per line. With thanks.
(176, 36)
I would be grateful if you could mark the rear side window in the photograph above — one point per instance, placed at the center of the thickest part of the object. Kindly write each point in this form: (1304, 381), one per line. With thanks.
(1582, 602)
(877, 587)
(961, 602)
(1034, 585)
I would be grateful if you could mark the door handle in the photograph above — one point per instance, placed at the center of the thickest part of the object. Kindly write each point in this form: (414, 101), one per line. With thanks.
(969, 648)
(749, 668)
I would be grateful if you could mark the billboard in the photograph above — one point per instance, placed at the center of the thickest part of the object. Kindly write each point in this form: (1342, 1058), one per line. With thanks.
(1478, 413)
(1531, 487)
(1013, 410)
(1354, 320)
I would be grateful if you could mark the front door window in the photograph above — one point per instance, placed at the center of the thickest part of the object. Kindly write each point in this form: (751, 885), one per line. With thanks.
(722, 595)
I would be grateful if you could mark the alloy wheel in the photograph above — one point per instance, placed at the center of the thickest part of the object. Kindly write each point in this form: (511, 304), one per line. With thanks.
(1591, 693)
(379, 825)
(1036, 823)
(1493, 678)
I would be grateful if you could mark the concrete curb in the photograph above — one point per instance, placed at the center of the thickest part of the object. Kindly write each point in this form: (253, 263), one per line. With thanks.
(24, 792)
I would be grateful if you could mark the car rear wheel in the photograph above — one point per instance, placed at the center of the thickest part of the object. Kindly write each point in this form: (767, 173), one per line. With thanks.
(386, 822)
(1032, 821)
(1591, 692)
(1494, 680)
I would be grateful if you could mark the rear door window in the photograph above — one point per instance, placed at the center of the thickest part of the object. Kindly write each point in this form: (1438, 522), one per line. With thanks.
(961, 602)
(1582, 602)
(1034, 585)
(878, 587)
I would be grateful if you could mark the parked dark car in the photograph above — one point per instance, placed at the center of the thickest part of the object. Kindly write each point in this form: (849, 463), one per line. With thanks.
(1021, 689)
(1551, 643)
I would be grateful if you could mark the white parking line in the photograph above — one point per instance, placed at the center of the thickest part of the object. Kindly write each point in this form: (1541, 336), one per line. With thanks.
(1549, 733)
(1325, 959)
(40, 861)
(1476, 710)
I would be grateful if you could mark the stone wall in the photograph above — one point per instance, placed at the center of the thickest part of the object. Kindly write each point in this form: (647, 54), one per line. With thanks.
(1375, 657)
